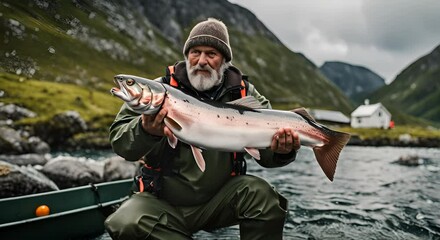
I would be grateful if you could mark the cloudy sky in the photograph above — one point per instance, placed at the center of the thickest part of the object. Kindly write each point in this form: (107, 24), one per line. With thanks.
(382, 35)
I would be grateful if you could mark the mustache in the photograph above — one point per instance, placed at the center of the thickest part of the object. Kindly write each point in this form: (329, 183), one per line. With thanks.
(204, 68)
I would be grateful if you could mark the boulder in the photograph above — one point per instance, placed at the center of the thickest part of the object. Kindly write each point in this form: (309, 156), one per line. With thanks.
(19, 142)
(10, 141)
(36, 145)
(24, 180)
(25, 159)
(117, 168)
(57, 131)
(14, 112)
(68, 172)
(410, 160)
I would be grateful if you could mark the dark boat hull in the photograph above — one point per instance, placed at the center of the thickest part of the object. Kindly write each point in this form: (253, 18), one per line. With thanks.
(75, 213)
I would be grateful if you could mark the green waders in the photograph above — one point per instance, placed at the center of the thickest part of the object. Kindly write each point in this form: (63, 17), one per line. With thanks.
(246, 200)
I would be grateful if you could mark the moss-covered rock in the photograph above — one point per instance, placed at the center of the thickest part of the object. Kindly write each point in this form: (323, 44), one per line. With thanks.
(19, 142)
(60, 128)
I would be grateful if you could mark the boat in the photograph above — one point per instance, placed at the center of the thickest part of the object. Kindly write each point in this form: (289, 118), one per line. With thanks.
(73, 213)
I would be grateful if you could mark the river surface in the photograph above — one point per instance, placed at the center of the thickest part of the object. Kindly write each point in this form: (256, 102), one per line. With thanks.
(371, 197)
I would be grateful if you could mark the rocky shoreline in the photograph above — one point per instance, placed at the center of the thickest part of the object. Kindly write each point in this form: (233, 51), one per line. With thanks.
(26, 165)
(405, 140)
(35, 173)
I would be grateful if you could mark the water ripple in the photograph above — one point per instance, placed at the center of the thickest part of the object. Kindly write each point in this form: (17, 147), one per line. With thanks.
(370, 198)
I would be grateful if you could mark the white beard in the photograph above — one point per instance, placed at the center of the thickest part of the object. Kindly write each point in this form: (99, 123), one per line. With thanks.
(201, 82)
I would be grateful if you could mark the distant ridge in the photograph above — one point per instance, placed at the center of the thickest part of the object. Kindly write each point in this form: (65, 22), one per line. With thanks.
(416, 90)
(355, 81)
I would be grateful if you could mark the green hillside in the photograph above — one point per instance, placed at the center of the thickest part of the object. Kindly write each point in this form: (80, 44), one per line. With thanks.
(48, 99)
(78, 46)
(63, 42)
(416, 90)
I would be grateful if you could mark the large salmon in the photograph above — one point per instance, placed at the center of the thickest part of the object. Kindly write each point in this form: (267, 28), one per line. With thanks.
(241, 125)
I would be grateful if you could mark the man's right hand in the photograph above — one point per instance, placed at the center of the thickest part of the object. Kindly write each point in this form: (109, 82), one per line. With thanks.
(154, 124)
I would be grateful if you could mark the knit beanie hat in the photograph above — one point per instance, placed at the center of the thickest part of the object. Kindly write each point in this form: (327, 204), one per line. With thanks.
(213, 33)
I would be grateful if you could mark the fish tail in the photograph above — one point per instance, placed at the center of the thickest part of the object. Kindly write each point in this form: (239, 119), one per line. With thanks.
(327, 155)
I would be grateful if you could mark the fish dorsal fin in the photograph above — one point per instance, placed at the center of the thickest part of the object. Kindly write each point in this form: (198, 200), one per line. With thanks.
(303, 113)
(248, 101)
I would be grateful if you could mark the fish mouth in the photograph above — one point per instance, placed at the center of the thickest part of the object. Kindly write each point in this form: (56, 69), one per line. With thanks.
(128, 90)
(118, 91)
(142, 95)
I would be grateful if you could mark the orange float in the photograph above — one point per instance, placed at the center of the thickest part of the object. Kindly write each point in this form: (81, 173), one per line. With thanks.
(42, 210)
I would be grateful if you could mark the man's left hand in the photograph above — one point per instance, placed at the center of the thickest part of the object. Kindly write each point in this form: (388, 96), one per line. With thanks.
(285, 140)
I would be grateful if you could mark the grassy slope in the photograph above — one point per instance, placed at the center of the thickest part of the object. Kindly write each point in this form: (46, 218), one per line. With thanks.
(416, 90)
(47, 99)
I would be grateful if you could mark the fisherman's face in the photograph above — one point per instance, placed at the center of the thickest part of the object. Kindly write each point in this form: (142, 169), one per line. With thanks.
(205, 66)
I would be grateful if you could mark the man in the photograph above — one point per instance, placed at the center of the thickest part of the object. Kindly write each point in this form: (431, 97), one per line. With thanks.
(175, 198)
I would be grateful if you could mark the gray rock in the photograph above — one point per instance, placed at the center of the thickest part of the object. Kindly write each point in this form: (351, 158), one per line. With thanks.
(60, 128)
(25, 159)
(7, 122)
(117, 168)
(10, 140)
(36, 145)
(68, 172)
(14, 112)
(24, 180)
(20, 142)
(410, 160)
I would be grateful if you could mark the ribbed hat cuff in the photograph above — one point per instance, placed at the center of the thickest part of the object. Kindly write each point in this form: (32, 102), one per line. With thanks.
(209, 40)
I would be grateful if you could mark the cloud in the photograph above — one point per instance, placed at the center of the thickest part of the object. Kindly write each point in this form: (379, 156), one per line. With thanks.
(384, 36)
(402, 25)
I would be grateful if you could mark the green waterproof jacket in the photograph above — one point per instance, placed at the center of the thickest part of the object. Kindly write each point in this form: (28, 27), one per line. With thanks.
(184, 184)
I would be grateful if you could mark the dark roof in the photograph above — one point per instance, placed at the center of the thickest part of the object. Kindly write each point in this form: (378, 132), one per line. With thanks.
(330, 116)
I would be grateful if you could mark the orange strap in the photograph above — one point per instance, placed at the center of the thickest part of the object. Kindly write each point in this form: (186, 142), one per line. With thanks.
(173, 81)
(141, 185)
(243, 89)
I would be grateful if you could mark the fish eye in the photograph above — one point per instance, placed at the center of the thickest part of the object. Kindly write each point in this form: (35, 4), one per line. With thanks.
(130, 82)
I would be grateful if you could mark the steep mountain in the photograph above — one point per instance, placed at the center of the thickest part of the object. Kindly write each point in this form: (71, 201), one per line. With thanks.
(355, 81)
(88, 42)
(416, 90)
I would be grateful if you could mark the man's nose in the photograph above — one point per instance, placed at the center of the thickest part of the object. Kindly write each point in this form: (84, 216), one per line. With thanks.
(203, 59)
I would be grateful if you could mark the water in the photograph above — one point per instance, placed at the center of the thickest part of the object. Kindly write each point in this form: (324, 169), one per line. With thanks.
(370, 198)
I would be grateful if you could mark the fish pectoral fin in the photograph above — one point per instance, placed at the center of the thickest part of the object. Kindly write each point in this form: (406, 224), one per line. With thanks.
(172, 141)
(197, 153)
(255, 153)
(172, 124)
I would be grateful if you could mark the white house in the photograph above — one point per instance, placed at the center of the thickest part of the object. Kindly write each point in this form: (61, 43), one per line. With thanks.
(371, 116)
